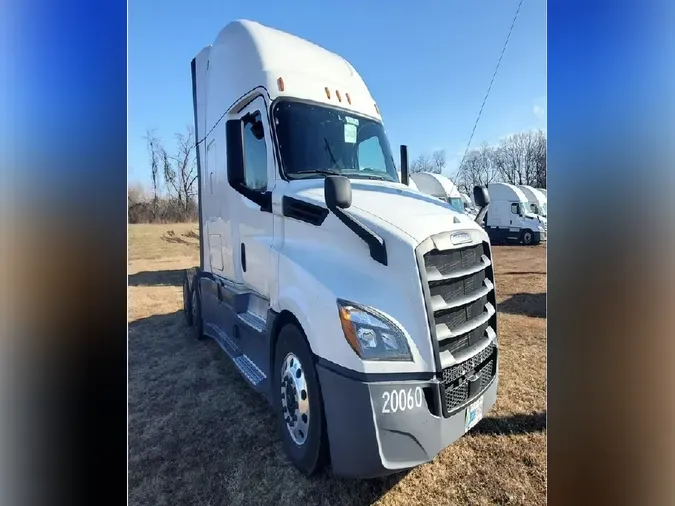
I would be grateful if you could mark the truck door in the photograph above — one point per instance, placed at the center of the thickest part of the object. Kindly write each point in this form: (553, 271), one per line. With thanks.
(515, 222)
(255, 226)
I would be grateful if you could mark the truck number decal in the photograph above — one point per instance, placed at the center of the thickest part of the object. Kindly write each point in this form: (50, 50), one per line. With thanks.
(400, 400)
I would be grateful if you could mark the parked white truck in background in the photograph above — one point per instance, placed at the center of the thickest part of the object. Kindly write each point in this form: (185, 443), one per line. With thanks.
(537, 199)
(362, 310)
(439, 186)
(411, 183)
(510, 219)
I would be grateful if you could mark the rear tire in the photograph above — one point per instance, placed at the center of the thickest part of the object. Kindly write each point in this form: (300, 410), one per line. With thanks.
(298, 402)
(187, 301)
(196, 304)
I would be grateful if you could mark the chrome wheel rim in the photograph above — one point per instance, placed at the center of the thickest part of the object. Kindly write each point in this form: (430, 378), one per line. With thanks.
(295, 399)
(528, 238)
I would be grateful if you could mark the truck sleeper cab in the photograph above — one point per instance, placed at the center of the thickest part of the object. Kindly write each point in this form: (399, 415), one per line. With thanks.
(363, 311)
(537, 200)
(440, 187)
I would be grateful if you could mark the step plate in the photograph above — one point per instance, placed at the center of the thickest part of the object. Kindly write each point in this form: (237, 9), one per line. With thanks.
(253, 321)
(246, 366)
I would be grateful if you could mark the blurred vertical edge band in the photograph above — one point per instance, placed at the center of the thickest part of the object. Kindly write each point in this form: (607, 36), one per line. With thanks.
(64, 149)
(611, 328)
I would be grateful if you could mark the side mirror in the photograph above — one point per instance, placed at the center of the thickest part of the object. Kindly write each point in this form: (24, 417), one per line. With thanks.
(337, 191)
(482, 199)
(258, 130)
(481, 196)
(235, 153)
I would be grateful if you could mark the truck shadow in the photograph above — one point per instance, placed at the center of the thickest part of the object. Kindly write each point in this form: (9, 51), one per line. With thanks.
(172, 277)
(519, 423)
(527, 304)
(198, 432)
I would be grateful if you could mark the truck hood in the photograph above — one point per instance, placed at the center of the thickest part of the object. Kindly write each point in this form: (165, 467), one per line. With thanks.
(391, 205)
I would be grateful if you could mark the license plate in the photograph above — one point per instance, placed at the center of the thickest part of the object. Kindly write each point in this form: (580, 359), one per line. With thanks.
(474, 414)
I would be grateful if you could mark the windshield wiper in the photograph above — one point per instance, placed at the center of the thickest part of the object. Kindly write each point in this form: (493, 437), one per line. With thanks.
(372, 176)
(316, 171)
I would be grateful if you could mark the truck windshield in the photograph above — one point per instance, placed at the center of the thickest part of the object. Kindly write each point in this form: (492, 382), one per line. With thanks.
(456, 203)
(534, 208)
(316, 140)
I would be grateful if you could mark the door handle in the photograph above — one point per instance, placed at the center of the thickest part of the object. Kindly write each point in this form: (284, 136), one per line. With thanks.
(243, 257)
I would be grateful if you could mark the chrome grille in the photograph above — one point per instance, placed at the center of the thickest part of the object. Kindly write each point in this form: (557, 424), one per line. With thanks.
(455, 379)
(460, 299)
(461, 295)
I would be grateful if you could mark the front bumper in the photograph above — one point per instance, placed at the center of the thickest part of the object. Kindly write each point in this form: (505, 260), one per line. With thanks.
(368, 433)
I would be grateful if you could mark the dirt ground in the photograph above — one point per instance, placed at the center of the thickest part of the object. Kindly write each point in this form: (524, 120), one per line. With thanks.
(199, 435)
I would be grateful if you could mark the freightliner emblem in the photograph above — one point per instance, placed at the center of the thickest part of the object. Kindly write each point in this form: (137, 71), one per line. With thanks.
(460, 238)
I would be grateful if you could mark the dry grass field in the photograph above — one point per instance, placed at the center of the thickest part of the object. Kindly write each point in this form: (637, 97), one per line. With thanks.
(198, 435)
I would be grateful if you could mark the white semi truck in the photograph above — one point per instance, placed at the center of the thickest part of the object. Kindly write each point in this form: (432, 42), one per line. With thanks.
(537, 199)
(363, 311)
(439, 186)
(510, 218)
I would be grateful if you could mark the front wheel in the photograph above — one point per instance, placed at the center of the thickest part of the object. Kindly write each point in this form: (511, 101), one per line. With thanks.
(528, 237)
(300, 405)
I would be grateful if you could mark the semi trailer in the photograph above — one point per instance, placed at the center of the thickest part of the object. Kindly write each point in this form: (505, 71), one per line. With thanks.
(362, 310)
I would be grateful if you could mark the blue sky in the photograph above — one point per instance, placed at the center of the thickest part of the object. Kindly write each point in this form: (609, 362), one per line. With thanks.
(427, 64)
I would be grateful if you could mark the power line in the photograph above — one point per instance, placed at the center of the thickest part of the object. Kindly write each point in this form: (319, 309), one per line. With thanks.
(494, 74)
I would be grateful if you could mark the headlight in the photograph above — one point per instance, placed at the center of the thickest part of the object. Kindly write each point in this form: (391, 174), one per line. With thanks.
(371, 335)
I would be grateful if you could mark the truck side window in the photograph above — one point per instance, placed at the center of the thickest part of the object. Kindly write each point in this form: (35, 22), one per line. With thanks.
(514, 208)
(255, 155)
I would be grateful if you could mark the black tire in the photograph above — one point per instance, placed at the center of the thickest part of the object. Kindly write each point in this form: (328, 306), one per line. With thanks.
(196, 304)
(527, 237)
(311, 456)
(187, 302)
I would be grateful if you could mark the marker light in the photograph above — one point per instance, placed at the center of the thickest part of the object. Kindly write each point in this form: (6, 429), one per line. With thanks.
(377, 109)
(348, 98)
(327, 92)
(280, 84)
(337, 94)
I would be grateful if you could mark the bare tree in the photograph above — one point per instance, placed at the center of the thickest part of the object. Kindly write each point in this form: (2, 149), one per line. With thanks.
(136, 193)
(539, 160)
(437, 161)
(479, 168)
(153, 145)
(521, 158)
(420, 164)
(425, 163)
(178, 169)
